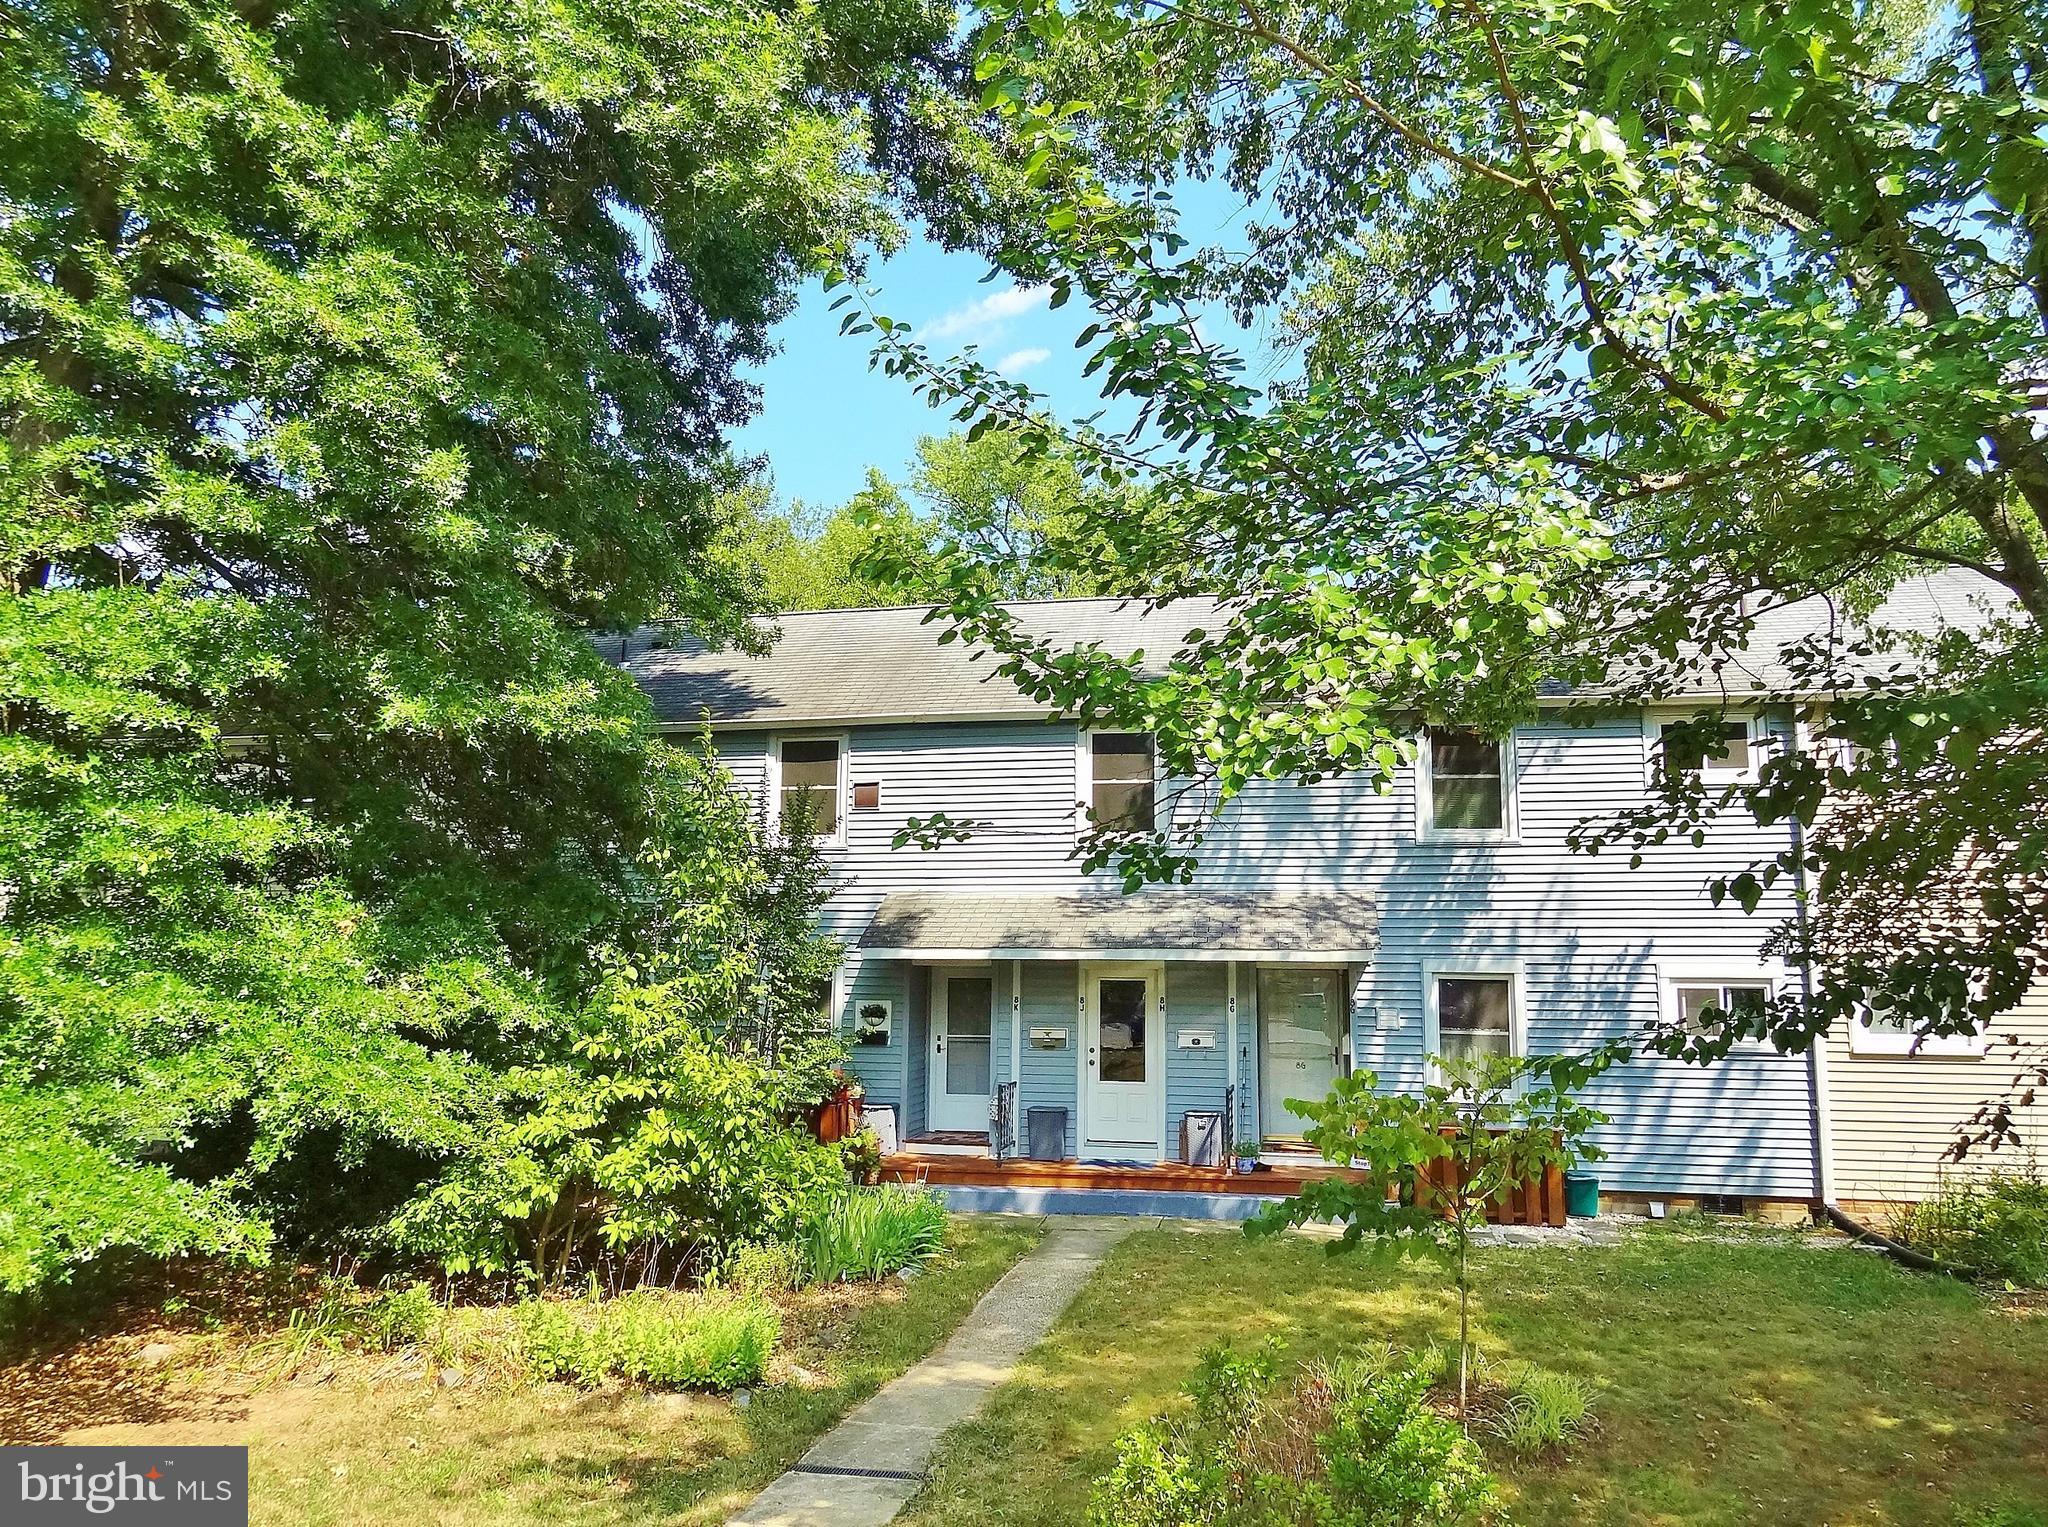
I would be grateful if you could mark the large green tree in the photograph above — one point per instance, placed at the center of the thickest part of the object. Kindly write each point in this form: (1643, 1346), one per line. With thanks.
(808, 557)
(1616, 326)
(354, 361)
(990, 497)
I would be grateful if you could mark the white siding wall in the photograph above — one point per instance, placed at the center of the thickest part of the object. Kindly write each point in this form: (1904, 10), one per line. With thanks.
(1587, 932)
(1892, 1116)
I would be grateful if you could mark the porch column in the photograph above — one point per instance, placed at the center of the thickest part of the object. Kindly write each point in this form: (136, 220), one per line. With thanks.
(1229, 1018)
(1017, 1027)
(1230, 1046)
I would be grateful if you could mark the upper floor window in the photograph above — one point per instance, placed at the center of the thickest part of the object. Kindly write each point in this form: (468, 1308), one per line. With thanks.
(1121, 793)
(1724, 749)
(1465, 781)
(810, 770)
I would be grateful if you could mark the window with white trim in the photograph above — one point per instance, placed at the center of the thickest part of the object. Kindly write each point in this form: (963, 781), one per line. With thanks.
(809, 773)
(1121, 791)
(1475, 1016)
(1465, 781)
(1723, 750)
(1695, 1002)
(1881, 1029)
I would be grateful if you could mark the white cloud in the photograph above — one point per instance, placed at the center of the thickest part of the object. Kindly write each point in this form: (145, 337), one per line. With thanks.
(1017, 362)
(988, 313)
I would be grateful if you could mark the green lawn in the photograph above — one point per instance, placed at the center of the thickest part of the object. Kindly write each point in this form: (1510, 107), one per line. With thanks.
(364, 1447)
(1744, 1383)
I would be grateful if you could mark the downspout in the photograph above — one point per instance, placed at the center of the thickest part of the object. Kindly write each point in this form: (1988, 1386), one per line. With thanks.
(1820, 1114)
(1816, 1053)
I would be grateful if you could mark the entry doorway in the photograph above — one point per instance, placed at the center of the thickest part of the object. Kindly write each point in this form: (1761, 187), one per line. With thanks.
(962, 1035)
(1123, 1065)
(1304, 1041)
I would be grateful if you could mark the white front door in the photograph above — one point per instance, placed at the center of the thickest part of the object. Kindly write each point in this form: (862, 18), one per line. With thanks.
(1123, 1066)
(963, 1012)
(1304, 1017)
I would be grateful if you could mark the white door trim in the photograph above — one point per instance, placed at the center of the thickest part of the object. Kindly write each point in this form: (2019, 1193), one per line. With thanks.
(1153, 973)
(937, 1120)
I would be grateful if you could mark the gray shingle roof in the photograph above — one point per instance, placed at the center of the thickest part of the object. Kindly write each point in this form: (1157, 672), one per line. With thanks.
(872, 665)
(1923, 604)
(869, 665)
(1211, 924)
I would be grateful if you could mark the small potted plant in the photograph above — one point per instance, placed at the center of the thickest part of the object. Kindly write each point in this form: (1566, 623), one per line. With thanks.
(839, 1114)
(1246, 1155)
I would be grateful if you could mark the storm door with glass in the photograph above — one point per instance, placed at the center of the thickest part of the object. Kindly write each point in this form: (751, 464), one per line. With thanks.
(963, 1013)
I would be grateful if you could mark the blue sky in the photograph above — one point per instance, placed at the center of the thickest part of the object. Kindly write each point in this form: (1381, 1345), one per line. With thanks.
(825, 418)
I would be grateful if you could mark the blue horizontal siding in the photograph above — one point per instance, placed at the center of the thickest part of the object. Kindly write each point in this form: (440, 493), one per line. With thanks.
(1586, 931)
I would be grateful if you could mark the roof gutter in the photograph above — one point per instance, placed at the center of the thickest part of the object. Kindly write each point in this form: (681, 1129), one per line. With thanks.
(949, 956)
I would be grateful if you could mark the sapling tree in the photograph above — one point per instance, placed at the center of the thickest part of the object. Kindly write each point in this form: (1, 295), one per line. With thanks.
(1425, 1163)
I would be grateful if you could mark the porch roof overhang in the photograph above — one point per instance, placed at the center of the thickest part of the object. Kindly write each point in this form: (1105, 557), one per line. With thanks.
(1304, 928)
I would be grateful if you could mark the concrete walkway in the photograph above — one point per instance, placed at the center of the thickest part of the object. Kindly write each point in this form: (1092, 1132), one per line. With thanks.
(861, 1472)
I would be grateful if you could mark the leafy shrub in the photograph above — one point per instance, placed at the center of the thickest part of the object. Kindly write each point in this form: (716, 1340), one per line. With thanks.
(862, 1153)
(1355, 1441)
(1540, 1410)
(771, 1267)
(1996, 1226)
(660, 1120)
(869, 1233)
(669, 1340)
(399, 1317)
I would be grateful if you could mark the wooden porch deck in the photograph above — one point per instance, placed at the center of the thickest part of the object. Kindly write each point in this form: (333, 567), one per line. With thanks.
(1167, 1177)
(1535, 1203)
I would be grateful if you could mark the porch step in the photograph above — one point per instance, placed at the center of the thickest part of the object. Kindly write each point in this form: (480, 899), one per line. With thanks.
(1167, 1204)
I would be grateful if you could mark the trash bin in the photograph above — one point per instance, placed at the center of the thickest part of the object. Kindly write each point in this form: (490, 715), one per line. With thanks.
(1581, 1194)
(1201, 1137)
(1046, 1133)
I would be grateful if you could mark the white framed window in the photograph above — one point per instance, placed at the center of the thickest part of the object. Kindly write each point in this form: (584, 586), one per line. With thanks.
(1718, 752)
(1464, 786)
(1472, 1010)
(1880, 1030)
(1692, 987)
(811, 769)
(1119, 780)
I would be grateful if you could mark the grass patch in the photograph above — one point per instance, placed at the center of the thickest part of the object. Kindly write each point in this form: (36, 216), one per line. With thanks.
(658, 1336)
(369, 1438)
(1759, 1381)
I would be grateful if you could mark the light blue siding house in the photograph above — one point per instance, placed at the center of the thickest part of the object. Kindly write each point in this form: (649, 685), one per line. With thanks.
(1328, 928)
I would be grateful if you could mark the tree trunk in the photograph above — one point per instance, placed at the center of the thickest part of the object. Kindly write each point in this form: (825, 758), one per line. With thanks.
(1464, 1325)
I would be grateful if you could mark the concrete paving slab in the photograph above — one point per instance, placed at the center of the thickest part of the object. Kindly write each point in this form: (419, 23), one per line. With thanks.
(803, 1500)
(861, 1472)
